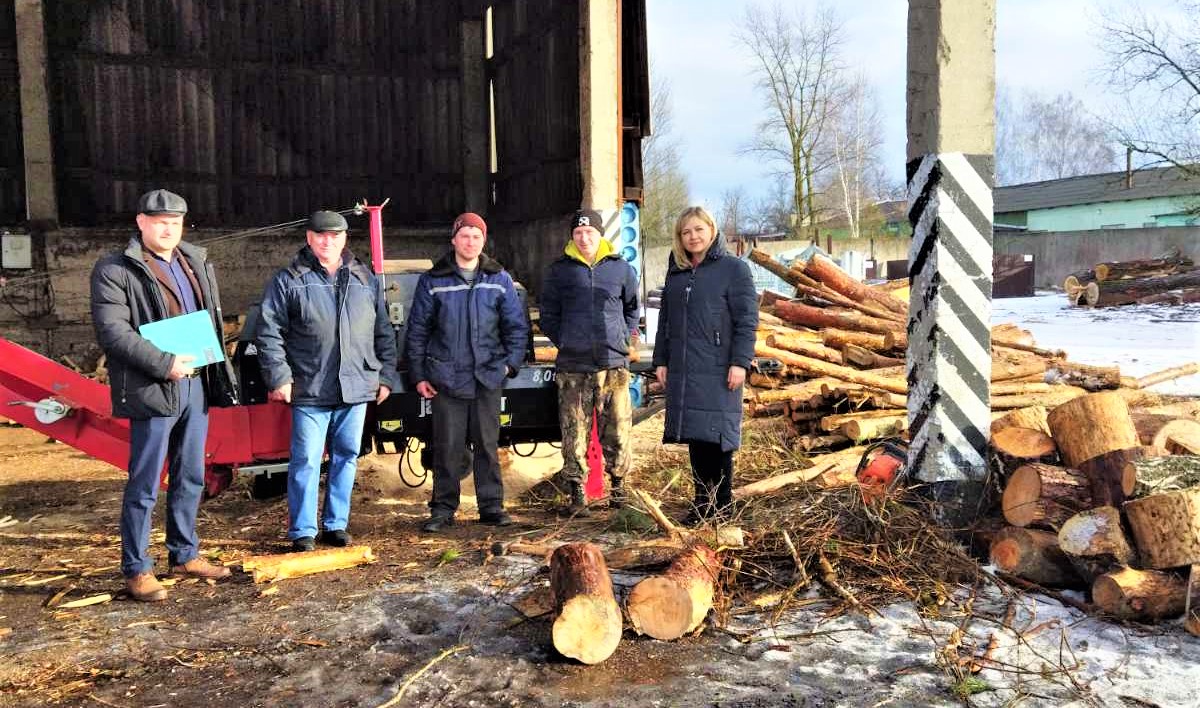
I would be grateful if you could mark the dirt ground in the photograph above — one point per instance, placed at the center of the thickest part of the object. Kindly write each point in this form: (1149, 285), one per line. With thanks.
(355, 637)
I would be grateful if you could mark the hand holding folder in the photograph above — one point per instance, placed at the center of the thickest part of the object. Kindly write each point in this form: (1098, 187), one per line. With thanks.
(190, 335)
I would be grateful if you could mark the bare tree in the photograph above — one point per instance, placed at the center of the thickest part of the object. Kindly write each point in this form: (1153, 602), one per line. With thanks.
(732, 214)
(772, 213)
(1040, 137)
(798, 68)
(1154, 61)
(856, 135)
(664, 184)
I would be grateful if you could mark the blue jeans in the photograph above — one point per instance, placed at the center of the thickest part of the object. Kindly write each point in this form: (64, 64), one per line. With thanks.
(150, 442)
(312, 426)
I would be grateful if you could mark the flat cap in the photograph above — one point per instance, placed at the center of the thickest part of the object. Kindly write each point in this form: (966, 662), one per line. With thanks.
(160, 201)
(322, 221)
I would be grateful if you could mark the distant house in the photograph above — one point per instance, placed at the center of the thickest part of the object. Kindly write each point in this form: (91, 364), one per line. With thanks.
(877, 220)
(1115, 200)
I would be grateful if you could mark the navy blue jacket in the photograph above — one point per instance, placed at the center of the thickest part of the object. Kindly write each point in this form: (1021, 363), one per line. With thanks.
(328, 335)
(589, 312)
(461, 334)
(707, 323)
(124, 296)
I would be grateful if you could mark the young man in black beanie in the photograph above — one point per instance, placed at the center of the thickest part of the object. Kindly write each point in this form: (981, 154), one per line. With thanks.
(589, 309)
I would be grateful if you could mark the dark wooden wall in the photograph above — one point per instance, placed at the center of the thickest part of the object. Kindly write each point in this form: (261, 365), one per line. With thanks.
(12, 162)
(257, 111)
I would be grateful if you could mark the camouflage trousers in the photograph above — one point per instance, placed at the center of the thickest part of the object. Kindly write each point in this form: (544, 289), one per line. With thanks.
(607, 393)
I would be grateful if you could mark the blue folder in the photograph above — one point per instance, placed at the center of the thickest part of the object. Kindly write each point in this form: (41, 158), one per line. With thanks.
(186, 335)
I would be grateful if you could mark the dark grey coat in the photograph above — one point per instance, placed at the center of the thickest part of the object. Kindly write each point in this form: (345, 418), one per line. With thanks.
(707, 323)
(125, 295)
(330, 337)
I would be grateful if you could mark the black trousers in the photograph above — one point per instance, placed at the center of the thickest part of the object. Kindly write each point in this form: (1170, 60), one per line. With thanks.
(458, 422)
(712, 474)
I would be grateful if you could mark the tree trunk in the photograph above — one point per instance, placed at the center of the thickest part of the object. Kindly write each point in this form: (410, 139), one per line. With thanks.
(587, 619)
(1166, 527)
(1182, 296)
(765, 410)
(673, 604)
(876, 428)
(1168, 473)
(1029, 417)
(831, 423)
(1045, 399)
(1023, 445)
(802, 345)
(822, 368)
(1148, 425)
(293, 565)
(861, 356)
(1007, 369)
(1151, 267)
(1033, 555)
(1095, 541)
(840, 338)
(822, 269)
(1092, 378)
(1095, 435)
(1179, 437)
(1140, 594)
(1171, 374)
(1125, 292)
(1044, 496)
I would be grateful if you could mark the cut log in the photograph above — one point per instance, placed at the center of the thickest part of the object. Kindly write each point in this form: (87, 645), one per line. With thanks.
(1022, 445)
(293, 565)
(1175, 372)
(1044, 496)
(587, 619)
(1095, 542)
(1166, 528)
(861, 356)
(1167, 473)
(545, 355)
(840, 338)
(1045, 399)
(1092, 378)
(1033, 555)
(802, 345)
(1173, 297)
(826, 271)
(672, 604)
(1028, 417)
(1126, 292)
(818, 317)
(1007, 369)
(1140, 594)
(1021, 388)
(757, 409)
(821, 442)
(1095, 435)
(807, 286)
(1179, 437)
(1147, 425)
(832, 423)
(1115, 270)
(874, 428)
(823, 368)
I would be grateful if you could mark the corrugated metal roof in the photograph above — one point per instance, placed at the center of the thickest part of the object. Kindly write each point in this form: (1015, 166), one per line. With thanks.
(1093, 189)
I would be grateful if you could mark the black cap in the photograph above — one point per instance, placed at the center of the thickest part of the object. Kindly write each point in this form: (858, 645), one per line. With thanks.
(160, 201)
(322, 221)
(588, 217)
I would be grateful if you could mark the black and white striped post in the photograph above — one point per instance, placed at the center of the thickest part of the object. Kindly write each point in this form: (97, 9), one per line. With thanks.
(951, 99)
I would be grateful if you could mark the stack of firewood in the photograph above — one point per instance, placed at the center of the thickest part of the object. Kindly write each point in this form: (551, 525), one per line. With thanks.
(1100, 499)
(840, 347)
(1170, 280)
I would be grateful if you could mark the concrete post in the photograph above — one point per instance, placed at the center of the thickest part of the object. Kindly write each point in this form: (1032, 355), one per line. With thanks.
(600, 103)
(951, 137)
(41, 204)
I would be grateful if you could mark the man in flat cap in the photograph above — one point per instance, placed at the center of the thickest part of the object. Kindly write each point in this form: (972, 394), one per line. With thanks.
(325, 346)
(589, 309)
(157, 276)
(467, 332)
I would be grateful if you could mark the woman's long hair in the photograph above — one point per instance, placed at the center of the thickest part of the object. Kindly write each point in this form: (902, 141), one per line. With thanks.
(682, 259)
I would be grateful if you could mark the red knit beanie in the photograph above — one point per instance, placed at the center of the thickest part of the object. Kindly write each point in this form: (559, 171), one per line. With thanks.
(469, 219)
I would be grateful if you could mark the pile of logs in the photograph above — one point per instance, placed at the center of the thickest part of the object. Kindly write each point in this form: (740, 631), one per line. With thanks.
(1170, 280)
(1099, 499)
(840, 346)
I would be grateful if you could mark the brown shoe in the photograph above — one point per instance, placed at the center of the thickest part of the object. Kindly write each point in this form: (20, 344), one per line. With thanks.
(144, 587)
(200, 568)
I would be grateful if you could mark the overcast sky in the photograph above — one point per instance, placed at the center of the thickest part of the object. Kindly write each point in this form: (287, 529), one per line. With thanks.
(1044, 45)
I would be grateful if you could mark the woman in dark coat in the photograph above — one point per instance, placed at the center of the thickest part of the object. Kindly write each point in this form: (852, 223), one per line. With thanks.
(703, 347)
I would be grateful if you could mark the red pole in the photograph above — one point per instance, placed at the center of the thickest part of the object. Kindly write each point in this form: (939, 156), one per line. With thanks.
(376, 231)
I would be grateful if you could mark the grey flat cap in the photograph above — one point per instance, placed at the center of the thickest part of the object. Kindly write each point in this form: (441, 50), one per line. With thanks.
(322, 221)
(160, 201)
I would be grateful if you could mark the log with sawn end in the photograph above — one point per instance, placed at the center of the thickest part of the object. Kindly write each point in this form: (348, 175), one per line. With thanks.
(1166, 528)
(1095, 542)
(293, 565)
(674, 603)
(1044, 496)
(587, 620)
(1128, 593)
(1034, 555)
(826, 271)
(1095, 435)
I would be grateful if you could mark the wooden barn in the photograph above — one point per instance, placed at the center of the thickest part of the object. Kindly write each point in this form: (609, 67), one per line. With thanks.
(260, 111)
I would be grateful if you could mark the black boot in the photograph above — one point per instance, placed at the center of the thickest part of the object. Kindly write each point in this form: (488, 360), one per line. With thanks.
(578, 505)
(617, 496)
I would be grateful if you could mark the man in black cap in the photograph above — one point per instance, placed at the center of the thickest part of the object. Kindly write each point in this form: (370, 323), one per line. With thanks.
(589, 309)
(166, 399)
(327, 347)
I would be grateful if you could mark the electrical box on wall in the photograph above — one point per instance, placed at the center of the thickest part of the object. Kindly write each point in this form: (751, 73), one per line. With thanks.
(16, 251)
